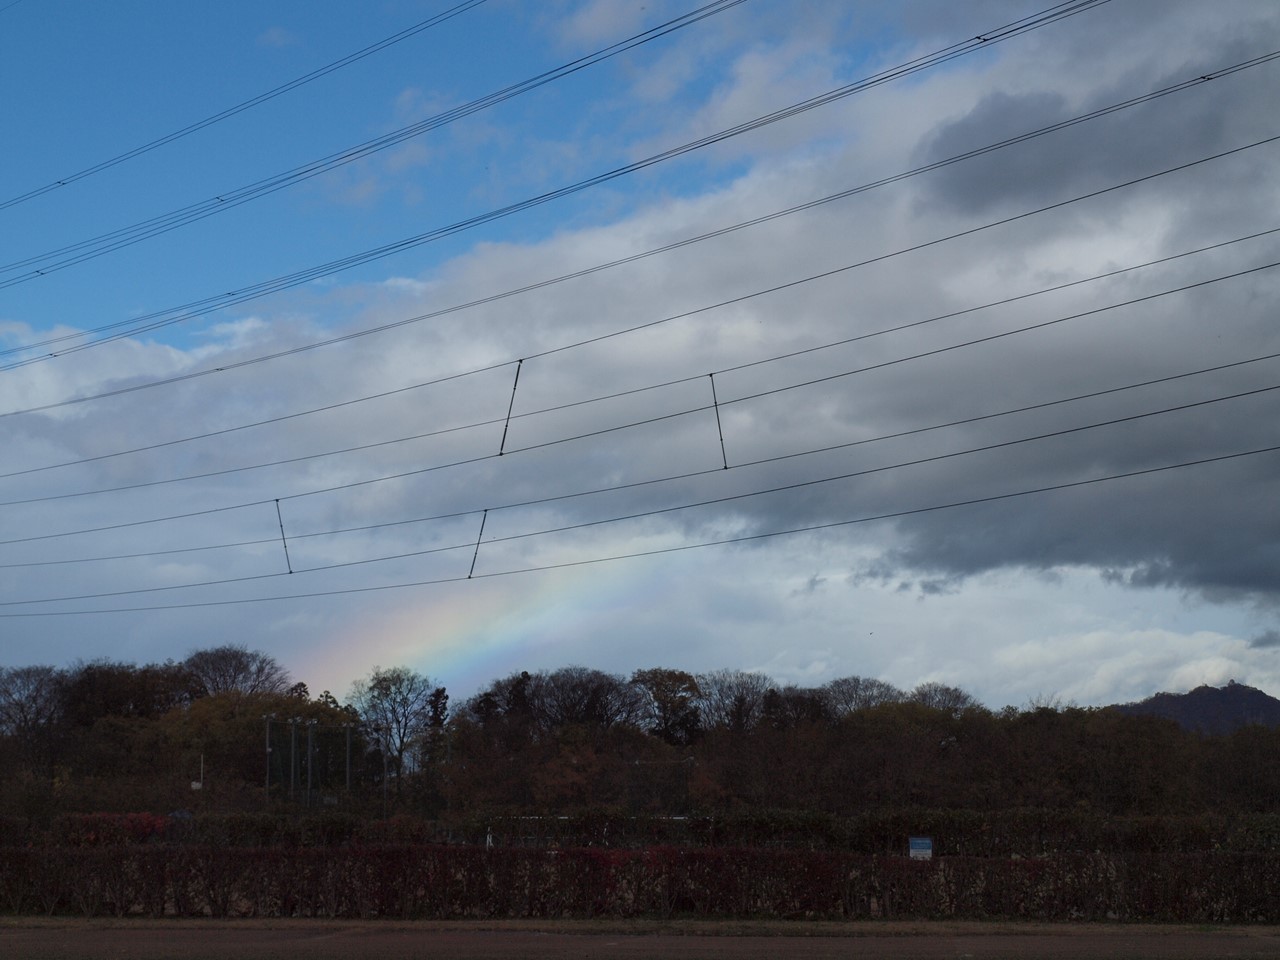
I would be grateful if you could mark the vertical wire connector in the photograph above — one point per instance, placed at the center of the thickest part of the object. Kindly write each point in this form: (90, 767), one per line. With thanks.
(283, 542)
(510, 406)
(719, 428)
(483, 517)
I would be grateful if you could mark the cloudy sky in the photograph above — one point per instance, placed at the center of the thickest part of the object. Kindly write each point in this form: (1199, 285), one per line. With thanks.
(922, 341)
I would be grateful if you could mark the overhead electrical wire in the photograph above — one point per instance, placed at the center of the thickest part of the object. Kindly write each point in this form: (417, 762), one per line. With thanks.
(349, 485)
(686, 412)
(115, 558)
(663, 550)
(746, 538)
(134, 388)
(241, 107)
(611, 396)
(192, 309)
(670, 478)
(84, 250)
(831, 448)
(643, 514)
(649, 324)
(699, 409)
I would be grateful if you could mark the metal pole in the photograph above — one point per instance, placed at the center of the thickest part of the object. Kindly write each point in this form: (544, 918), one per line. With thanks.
(311, 725)
(347, 726)
(293, 754)
(384, 774)
(267, 791)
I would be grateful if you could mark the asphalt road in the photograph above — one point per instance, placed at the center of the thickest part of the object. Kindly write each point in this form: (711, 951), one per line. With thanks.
(320, 940)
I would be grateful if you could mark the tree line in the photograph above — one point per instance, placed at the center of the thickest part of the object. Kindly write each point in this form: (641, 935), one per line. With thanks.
(228, 729)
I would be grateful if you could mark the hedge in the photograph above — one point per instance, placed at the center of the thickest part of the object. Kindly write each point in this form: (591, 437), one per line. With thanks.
(997, 834)
(460, 882)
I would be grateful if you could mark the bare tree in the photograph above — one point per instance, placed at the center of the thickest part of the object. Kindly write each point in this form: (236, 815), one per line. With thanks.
(30, 707)
(30, 698)
(398, 706)
(529, 705)
(939, 696)
(733, 698)
(235, 668)
(585, 697)
(791, 706)
(847, 694)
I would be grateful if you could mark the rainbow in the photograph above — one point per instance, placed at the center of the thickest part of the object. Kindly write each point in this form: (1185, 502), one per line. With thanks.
(466, 634)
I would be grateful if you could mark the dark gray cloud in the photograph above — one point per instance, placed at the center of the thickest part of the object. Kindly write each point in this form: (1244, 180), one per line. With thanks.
(1266, 640)
(1132, 143)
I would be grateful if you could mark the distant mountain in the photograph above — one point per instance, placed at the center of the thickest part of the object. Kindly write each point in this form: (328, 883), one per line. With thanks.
(1215, 710)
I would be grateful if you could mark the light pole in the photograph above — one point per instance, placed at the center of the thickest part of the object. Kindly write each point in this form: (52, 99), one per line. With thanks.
(268, 718)
(311, 725)
(293, 755)
(347, 727)
(382, 735)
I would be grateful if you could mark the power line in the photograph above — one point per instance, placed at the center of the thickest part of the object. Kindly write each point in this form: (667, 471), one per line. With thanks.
(869, 471)
(811, 528)
(890, 516)
(192, 309)
(540, 284)
(912, 249)
(915, 431)
(643, 514)
(612, 396)
(552, 443)
(670, 478)
(688, 411)
(82, 251)
(137, 556)
(240, 107)
(593, 339)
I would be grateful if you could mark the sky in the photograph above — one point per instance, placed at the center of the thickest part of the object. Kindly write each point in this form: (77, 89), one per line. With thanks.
(921, 341)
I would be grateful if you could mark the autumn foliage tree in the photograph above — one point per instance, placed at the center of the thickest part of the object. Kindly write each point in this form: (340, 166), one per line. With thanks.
(670, 708)
(580, 742)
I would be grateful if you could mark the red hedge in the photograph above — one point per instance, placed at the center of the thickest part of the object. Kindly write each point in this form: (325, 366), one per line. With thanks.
(437, 882)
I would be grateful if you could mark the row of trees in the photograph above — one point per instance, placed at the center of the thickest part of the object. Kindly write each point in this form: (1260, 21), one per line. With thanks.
(115, 736)
(680, 708)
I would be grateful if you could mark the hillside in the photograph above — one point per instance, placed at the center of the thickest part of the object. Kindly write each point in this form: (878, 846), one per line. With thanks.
(1214, 710)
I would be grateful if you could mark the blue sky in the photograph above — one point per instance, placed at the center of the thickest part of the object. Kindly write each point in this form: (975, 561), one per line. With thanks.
(142, 73)
(1061, 339)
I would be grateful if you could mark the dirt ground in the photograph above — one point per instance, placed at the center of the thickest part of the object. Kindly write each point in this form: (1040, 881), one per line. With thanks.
(25, 939)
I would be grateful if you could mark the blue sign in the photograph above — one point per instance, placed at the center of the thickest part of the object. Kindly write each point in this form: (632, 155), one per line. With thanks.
(920, 848)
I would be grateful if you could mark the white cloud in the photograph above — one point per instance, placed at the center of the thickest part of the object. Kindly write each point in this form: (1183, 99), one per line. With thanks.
(597, 22)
